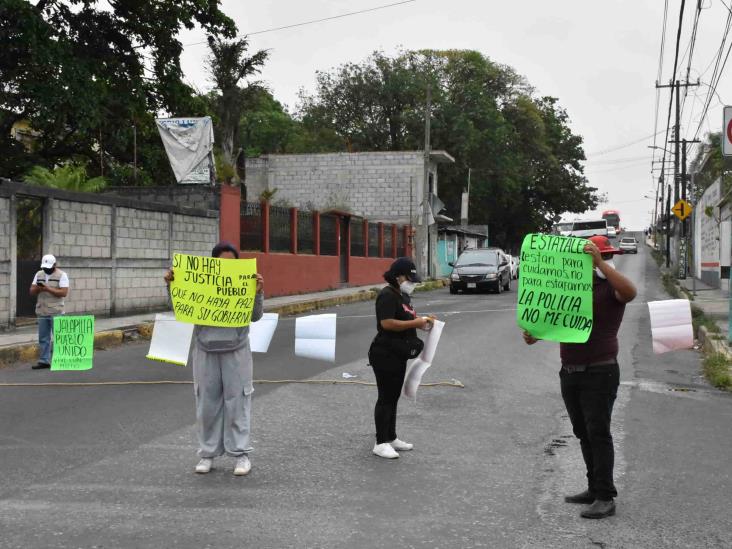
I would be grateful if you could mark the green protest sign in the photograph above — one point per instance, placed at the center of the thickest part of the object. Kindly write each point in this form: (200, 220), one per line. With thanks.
(555, 288)
(73, 343)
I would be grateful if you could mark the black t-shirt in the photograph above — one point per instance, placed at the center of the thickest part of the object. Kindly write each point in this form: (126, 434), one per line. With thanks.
(393, 304)
(607, 314)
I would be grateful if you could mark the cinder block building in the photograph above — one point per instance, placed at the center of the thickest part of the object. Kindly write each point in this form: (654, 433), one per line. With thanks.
(388, 187)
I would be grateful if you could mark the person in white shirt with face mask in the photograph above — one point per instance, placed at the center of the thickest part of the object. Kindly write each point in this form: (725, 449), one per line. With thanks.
(395, 343)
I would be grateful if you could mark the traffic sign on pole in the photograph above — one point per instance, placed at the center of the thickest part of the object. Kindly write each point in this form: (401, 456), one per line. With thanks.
(682, 209)
(727, 132)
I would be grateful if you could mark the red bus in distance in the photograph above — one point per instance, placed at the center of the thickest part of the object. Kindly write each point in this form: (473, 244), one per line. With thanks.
(613, 219)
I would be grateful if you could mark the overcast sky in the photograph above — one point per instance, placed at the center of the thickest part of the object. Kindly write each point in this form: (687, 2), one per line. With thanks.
(599, 58)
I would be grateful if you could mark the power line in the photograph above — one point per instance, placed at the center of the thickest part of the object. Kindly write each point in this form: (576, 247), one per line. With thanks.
(673, 76)
(625, 145)
(659, 74)
(313, 21)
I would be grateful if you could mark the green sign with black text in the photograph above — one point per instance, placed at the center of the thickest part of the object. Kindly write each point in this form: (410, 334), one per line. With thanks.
(555, 288)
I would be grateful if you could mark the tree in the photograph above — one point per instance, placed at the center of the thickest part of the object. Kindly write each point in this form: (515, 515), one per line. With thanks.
(228, 67)
(84, 72)
(709, 164)
(69, 176)
(524, 158)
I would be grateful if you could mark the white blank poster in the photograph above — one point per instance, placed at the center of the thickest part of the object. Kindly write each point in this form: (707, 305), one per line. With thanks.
(671, 327)
(171, 340)
(261, 332)
(419, 365)
(315, 337)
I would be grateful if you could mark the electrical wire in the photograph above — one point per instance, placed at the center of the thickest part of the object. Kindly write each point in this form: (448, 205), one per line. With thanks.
(313, 21)
(624, 146)
(451, 383)
(659, 74)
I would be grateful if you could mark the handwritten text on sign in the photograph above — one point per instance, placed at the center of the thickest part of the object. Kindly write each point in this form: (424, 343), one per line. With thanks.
(213, 292)
(555, 288)
(73, 343)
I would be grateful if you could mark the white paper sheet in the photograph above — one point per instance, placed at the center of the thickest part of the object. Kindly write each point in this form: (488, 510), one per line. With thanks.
(261, 332)
(171, 340)
(419, 365)
(315, 337)
(671, 327)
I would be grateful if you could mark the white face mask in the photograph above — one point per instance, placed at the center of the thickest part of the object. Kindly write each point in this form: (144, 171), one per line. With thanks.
(608, 262)
(407, 287)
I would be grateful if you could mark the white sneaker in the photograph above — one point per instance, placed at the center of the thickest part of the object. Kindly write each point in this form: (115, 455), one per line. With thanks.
(385, 450)
(401, 446)
(204, 466)
(243, 466)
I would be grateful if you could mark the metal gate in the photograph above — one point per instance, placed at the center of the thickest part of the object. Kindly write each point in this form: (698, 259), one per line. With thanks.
(25, 303)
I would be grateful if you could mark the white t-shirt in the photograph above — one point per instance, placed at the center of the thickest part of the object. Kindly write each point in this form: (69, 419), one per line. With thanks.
(62, 283)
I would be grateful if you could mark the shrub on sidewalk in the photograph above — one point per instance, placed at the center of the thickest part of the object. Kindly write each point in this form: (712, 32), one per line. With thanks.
(698, 318)
(717, 371)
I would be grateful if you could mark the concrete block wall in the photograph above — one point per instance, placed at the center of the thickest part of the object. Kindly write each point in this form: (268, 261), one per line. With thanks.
(80, 229)
(115, 250)
(375, 185)
(6, 264)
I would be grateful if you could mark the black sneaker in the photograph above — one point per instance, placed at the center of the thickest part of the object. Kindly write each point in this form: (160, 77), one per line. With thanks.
(599, 510)
(40, 366)
(585, 498)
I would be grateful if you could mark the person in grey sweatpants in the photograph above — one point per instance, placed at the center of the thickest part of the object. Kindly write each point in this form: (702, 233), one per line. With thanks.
(222, 384)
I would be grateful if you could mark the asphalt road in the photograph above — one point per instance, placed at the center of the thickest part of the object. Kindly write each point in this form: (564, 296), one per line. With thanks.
(111, 466)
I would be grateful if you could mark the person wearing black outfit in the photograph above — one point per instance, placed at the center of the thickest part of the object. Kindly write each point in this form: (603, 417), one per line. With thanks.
(395, 343)
(590, 376)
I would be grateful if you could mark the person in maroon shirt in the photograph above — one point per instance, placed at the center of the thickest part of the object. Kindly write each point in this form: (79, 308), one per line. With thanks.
(590, 376)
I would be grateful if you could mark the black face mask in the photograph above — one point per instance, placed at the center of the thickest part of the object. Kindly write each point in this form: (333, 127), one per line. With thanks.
(49, 271)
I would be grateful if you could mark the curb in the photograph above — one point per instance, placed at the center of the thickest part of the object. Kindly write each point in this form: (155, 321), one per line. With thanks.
(28, 352)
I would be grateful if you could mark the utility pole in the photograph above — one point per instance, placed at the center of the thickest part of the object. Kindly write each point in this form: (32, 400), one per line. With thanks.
(668, 226)
(426, 189)
(679, 245)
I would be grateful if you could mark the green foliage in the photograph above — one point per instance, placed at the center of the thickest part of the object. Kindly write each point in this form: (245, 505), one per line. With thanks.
(525, 160)
(83, 73)
(70, 177)
(268, 194)
(229, 67)
(709, 163)
(717, 371)
(699, 319)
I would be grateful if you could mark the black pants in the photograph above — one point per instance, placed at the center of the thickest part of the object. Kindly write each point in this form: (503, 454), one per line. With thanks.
(589, 397)
(389, 371)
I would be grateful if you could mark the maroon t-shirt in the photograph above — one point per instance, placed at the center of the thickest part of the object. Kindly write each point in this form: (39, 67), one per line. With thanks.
(607, 314)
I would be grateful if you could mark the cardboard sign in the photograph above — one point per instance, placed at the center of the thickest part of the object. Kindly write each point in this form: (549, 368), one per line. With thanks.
(73, 343)
(555, 288)
(211, 291)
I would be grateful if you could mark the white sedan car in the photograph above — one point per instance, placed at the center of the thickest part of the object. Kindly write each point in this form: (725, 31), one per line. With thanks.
(628, 245)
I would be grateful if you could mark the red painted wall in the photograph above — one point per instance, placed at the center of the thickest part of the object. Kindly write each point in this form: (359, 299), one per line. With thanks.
(367, 270)
(289, 274)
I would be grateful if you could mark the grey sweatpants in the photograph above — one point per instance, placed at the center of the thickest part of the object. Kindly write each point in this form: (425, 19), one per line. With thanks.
(223, 387)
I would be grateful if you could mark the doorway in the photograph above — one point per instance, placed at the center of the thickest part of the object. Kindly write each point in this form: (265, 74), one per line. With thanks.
(29, 251)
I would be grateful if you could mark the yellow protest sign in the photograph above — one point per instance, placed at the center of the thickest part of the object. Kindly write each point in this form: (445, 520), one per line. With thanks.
(213, 292)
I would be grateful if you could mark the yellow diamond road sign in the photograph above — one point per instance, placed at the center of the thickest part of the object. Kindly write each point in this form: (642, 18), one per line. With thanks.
(682, 209)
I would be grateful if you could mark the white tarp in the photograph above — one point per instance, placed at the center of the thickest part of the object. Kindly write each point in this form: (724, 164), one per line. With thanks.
(315, 337)
(419, 365)
(671, 327)
(171, 340)
(189, 143)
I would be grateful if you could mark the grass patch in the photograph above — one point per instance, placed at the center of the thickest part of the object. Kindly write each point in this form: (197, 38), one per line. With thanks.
(698, 319)
(717, 370)
(658, 256)
(669, 284)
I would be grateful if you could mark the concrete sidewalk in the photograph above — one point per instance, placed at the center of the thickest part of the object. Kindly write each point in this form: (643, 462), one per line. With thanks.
(713, 301)
(21, 344)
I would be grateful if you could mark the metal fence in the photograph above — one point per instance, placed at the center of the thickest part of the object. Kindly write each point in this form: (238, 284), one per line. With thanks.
(328, 236)
(388, 241)
(373, 240)
(305, 240)
(279, 229)
(251, 226)
(357, 244)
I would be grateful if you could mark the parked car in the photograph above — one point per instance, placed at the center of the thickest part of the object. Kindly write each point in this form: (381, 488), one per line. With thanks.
(481, 269)
(612, 232)
(628, 245)
(513, 263)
